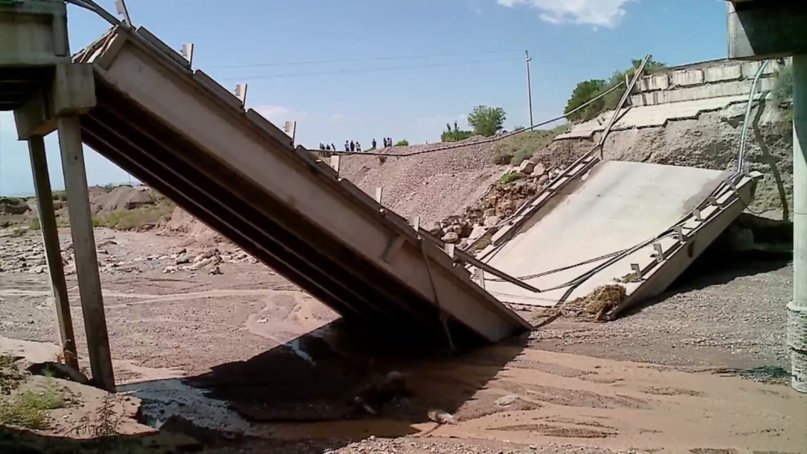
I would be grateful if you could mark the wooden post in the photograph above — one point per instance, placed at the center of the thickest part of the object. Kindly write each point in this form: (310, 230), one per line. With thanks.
(89, 282)
(53, 253)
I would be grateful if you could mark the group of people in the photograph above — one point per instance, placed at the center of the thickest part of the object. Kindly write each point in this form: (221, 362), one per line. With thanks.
(354, 145)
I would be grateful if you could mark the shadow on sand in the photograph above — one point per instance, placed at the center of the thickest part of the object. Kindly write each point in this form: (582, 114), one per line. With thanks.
(341, 383)
(340, 372)
(306, 391)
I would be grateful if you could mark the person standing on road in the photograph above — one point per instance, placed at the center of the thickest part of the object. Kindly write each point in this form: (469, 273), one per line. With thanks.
(333, 147)
(358, 146)
(352, 146)
(374, 144)
(347, 146)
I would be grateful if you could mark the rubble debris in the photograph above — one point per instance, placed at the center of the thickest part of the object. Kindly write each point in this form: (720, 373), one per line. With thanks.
(500, 202)
(629, 278)
(451, 237)
(597, 303)
(381, 392)
(594, 306)
(440, 416)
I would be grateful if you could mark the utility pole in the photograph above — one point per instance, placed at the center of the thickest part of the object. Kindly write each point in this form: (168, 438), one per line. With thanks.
(527, 60)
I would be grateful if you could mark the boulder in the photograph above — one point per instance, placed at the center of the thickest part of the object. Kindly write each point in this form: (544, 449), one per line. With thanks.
(539, 170)
(477, 232)
(451, 238)
(433, 228)
(505, 205)
(526, 167)
(492, 221)
(505, 401)
(489, 212)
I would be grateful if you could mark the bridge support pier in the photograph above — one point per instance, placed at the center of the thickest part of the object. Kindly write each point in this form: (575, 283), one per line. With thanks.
(759, 30)
(797, 309)
(89, 281)
(50, 238)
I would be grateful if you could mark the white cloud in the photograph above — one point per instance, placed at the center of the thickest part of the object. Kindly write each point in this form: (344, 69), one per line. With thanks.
(604, 13)
(280, 114)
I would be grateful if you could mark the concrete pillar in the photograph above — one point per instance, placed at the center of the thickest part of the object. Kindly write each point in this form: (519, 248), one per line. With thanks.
(53, 254)
(89, 282)
(797, 309)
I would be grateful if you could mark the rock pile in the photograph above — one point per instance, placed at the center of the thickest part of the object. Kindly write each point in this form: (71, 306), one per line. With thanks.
(22, 254)
(209, 260)
(517, 186)
(25, 253)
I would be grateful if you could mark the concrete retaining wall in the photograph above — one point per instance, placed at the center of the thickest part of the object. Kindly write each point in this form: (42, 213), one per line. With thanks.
(703, 81)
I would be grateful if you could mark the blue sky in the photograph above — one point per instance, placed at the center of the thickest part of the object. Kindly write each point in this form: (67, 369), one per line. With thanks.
(363, 69)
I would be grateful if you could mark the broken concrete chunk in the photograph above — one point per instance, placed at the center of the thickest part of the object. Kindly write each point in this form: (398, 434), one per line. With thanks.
(538, 170)
(433, 228)
(451, 238)
(440, 416)
(492, 221)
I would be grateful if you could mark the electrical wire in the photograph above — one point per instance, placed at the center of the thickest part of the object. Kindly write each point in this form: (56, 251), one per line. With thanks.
(369, 70)
(360, 59)
(481, 142)
(747, 117)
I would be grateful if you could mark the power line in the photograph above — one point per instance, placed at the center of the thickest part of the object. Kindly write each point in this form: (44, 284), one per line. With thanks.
(369, 70)
(484, 141)
(360, 59)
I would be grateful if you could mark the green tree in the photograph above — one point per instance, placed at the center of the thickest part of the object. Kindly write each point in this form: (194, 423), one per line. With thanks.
(486, 121)
(587, 90)
(583, 92)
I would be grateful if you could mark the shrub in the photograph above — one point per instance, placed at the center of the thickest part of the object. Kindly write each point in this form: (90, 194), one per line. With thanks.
(402, 143)
(509, 177)
(515, 149)
(783, 88)
(520, 156)
(134, 219)
(455, 134)
(502, 158)
(28, 408)
(34, 224)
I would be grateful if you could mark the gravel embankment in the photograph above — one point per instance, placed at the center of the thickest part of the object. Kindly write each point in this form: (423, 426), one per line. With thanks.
(433, 185)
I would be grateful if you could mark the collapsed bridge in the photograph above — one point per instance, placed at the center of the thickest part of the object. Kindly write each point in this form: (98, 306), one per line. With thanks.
(139, 103)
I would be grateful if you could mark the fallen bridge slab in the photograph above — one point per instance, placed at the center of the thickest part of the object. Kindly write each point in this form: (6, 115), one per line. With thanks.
(634, 224)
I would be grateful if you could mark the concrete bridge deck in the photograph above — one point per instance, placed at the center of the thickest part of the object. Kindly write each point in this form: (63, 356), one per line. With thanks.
(647, 210)
(190, 138)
